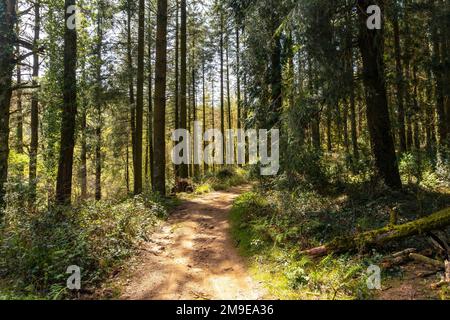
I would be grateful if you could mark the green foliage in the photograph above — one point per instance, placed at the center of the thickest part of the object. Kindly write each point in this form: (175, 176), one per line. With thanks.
(276, 263)
(37, 247)
(222, 180)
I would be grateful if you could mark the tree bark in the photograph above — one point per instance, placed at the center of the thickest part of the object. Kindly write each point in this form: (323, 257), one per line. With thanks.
(238, 78)
(437, 70)
(399, 82)
(222, 99)
(34, 143)
(150, 102)
(7, 37)
(159, 124)
(131, 84)
(184, 173)
(67, 144)
(139, 99)
(98, 105)
(177, 77)
(371, 43)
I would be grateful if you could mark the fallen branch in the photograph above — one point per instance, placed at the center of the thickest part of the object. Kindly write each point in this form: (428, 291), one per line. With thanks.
(426, 260)
(397, 258)
(384, 235)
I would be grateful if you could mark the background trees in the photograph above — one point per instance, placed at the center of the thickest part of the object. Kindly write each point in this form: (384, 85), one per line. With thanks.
(338, 91)
(89, 111)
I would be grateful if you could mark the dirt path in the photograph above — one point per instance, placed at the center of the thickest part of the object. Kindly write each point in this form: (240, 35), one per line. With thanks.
(193, 257)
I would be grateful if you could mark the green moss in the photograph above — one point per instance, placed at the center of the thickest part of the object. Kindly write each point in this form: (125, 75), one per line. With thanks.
(381, 236)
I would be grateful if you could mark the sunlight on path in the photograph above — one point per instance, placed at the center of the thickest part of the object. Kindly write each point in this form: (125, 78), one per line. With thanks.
(193, 256)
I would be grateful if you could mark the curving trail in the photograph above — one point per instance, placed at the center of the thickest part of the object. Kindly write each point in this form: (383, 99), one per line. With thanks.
(192, 256)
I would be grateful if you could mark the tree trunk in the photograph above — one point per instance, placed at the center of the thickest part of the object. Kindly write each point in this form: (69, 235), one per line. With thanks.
(371, 44)
(131, 84)
(400, 83)
(380, 237)
(83, 155)
(98, 106)
(139, 99)
(194, 107)
(19, 117)
(67, 144)
(7, 37)
(276, 79)
(205, 166)
(177, 78)
(159, 124)
(351, 89)
(222, 102)
(184, 173)
(238, 79)
(150, 147)
(228, 82)
(437, 70)
(34, 143)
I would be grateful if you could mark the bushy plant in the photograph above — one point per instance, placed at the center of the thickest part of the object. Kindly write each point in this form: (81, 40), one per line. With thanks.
(37, 247)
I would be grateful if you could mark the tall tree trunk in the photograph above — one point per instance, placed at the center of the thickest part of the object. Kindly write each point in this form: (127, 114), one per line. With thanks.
(439, 79)
(345, 129)
(34, 143)
(315, 119)
(139, 99)
(150, 101)
(371, 43)
(98, 105)
(205, 166)
(351, 92)
(276, 79)
(184, 172)
(159, 124)
(222, 102)
(19, 117)
(127, 166)
(177, 77)
(7, 37)
(83, 155)
(228, 82)
(416, 109)
(238, 79)
(19, 106)
(399, 82)
(329, 122)
(131, 84)
(213, 118)
(67, 144)
(194, 111)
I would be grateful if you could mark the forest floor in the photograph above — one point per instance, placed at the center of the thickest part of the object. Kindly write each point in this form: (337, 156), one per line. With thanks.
(192, 256)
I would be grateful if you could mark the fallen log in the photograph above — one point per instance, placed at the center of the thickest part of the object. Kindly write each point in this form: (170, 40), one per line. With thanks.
(397, 258)
(422, 259)
(379, 237)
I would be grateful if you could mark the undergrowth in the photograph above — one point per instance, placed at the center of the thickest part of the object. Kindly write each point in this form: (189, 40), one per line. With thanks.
(37, 247)
(284, 216)
(223, 179)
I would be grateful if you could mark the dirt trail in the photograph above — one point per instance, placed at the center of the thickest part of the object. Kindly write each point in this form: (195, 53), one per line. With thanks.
(193, 257)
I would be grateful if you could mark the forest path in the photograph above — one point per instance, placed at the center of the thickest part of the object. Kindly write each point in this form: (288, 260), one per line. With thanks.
(192, 256)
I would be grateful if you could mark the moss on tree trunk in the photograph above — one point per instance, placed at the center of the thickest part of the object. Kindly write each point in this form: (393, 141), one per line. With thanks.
(379, 237)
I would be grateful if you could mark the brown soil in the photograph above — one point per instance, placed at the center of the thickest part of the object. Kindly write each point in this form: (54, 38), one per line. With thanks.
(414, 284)
(193, 257)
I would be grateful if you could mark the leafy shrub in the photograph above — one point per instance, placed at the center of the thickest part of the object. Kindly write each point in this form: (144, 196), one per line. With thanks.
(37, 247)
